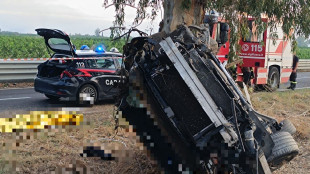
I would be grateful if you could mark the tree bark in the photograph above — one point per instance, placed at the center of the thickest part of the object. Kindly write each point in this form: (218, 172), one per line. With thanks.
(175, 14)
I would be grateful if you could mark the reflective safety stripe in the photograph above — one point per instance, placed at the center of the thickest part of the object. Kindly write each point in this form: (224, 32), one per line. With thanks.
(261, 81)
(262, 76)
(285, 74)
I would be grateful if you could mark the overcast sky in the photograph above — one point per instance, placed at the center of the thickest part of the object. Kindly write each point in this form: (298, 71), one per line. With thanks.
(71, 16)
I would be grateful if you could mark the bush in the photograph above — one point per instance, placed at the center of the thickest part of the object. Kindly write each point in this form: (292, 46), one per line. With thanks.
(33, 46)
(303, 52)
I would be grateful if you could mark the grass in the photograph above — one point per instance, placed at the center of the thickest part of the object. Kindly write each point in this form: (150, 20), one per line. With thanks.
(60, 150)
(56, 151)
(292, 105)
(3, 167)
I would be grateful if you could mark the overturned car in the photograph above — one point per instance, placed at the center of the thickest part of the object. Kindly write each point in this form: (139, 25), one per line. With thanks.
(189, 113)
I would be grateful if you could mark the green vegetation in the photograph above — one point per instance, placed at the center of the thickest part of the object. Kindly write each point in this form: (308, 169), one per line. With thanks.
(14, 45)
(33, 46)
(303, 52)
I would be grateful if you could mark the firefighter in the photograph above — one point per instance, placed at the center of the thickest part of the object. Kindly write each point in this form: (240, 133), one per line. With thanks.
(248, 74)
(293, 75)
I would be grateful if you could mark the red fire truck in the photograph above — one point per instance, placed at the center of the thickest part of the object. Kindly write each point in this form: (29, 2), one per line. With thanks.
(271, 63)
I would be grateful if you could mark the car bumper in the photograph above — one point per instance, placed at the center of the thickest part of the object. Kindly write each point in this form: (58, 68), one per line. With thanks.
(56, 87)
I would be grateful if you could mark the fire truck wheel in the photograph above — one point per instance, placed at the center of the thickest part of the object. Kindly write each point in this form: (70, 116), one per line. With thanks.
(287, 126)
(273, 78)
(285, 148)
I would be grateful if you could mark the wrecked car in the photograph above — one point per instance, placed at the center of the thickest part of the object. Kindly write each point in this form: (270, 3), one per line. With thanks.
(189, 113)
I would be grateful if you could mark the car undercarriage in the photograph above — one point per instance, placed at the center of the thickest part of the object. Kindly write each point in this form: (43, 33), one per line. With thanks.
(189, 112)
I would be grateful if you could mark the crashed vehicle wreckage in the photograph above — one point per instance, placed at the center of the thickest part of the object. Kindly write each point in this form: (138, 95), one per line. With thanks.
(189, 113)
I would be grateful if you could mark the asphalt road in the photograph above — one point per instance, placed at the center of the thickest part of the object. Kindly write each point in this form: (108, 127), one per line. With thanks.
(17, 101)
(303, 81)
(22, 100)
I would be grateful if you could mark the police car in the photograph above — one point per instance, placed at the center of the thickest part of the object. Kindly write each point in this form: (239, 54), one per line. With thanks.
(84, 75)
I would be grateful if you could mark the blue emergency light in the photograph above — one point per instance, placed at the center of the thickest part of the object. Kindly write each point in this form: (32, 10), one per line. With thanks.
(84, 47)
(100, 48)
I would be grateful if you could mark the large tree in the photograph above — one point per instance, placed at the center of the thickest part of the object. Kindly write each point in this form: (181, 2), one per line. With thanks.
(293, 14)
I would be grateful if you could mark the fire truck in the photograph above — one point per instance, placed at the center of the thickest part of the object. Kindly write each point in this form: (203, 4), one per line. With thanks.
(270, 62)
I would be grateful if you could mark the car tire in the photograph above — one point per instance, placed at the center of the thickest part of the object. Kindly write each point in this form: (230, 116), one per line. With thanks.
(90, 91)
(287, 126)
(273, 78)
(51, 97)
(285, 149)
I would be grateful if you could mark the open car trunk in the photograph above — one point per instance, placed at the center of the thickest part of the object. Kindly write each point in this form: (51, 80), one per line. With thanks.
(57, 40)
(53, 68)
(188, 111)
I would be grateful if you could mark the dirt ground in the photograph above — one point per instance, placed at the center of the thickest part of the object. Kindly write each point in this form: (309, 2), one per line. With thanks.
(295, 106)
(59, 149)
(16, 85)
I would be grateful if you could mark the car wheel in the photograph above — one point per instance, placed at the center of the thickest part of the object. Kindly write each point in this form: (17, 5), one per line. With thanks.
(273, 78)
(87, 94)
(285, 149)
(52, 97)
(287, 126)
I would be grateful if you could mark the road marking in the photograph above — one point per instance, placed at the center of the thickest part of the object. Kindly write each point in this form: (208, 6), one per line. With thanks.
(14, 98)
(15, 88)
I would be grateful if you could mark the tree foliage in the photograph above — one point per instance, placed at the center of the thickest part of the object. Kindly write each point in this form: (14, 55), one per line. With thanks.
(291, 14)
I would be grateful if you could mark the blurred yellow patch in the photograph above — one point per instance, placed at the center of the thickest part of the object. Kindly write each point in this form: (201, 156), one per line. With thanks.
(40, 120)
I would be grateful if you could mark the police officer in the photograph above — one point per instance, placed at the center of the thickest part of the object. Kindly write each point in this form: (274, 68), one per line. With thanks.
(294, 73)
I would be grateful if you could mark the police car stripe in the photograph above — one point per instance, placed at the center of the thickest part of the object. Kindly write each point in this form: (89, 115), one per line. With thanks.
(97, 70)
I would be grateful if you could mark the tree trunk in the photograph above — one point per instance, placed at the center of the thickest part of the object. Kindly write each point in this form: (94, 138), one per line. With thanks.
(175, 14)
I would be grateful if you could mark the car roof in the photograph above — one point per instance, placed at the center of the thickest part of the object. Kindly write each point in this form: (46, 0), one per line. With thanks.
(81, 53)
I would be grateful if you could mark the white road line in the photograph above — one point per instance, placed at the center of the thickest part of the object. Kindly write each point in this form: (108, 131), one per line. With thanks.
(1, 99)
(15, 88)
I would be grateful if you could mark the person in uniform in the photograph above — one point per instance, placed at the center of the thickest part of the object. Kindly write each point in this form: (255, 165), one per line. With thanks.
(294, 73)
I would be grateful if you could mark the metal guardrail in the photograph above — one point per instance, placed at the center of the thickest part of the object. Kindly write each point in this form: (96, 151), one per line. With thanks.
(14, 71)
(304, 65)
